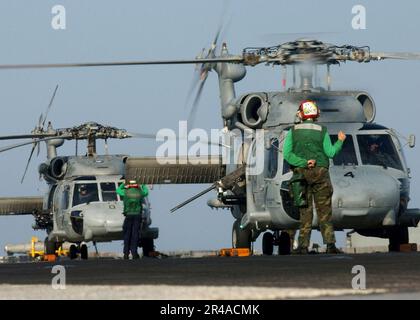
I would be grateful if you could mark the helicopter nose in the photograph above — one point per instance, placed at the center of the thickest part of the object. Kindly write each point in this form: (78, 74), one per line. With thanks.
(102, 220)
(363, 197)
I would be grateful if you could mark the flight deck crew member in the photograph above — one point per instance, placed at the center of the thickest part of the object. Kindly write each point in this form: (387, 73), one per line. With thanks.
(307, 148)
(132, 195)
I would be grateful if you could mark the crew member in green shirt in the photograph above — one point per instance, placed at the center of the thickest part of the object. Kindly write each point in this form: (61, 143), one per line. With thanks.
(132, 196)
(308, 148)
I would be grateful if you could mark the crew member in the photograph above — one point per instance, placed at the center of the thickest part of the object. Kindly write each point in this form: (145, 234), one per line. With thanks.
(132, 195)
(307, 148)
(87, 194)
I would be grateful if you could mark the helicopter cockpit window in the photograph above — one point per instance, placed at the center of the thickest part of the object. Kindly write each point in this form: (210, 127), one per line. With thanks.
(85, 193)
(273, 158)
(108, 191)
(378, 150)
(347, 155)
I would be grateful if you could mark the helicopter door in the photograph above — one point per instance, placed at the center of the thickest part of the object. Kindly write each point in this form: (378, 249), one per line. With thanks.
(286, 174)
(272, 168)
(256, 177)
(64, 202)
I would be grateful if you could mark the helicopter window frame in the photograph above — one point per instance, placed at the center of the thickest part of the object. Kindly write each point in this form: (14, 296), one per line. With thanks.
(50, 200)
(394, 144)
(273, 158)
(107, 192)
(65, 203)
(356, 150)
(76, 194)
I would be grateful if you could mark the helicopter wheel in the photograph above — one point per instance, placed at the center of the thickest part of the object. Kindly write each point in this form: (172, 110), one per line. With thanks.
(268, 244)
(73, 252)
(397, 237)
(284, 243)
(83, 251)
(49, 246)
(148, 246)
(241, 238)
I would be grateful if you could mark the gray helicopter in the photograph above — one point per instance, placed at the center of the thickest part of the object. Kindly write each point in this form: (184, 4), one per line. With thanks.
(370, 177)
(81, 204)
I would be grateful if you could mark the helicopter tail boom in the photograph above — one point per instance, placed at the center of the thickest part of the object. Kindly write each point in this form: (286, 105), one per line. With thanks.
(13, 206)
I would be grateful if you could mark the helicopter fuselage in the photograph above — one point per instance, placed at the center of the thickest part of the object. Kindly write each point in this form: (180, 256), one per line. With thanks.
(370, 176)
(94, 213)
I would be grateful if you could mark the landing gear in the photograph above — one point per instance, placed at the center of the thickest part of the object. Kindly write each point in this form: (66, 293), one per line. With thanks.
(73, 252)
(397, 236)
(268, 244)
(280, 239)
(148, 246)
(83, 251)
(241, 238)
(50, 246)
(284, 243)
(76, 249)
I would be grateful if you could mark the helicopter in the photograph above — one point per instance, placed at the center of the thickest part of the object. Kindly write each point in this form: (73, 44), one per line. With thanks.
(81, 204)
(371, 195)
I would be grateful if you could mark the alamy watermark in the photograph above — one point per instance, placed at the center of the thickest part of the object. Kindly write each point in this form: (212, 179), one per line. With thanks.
(58, 21)
(58, 282)
(358, 282)
(235, 147)
(359, 20)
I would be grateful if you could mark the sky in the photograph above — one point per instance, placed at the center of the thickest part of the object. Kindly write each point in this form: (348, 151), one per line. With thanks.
(148, 98)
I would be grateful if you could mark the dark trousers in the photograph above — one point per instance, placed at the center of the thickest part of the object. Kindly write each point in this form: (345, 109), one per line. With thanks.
(131, 230)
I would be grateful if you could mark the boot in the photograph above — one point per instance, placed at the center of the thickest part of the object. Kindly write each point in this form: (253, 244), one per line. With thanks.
(125, 257)
(300, 250)
(332, 249)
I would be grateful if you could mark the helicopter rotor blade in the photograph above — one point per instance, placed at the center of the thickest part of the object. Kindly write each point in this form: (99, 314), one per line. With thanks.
(49, 107)
(202, 71)
(142, 135)
(198, 195)
(232, 59)
(194, 108)
(27, 136)
(395, 55)
(13, 146)
(227, 182)
(194, 82)
(156, 136)
(216, 39)
(40, 120)
(38, 149)
(29, 160)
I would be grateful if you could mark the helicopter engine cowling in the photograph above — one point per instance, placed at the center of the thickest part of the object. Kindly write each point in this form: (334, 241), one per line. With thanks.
(368, 106)
(58, 167)
(44, 170)
(254, 110)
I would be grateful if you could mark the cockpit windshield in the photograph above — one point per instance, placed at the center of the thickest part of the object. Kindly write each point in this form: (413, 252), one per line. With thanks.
(347, 155)
(378, 150)
(108, 191)
(85, 193)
